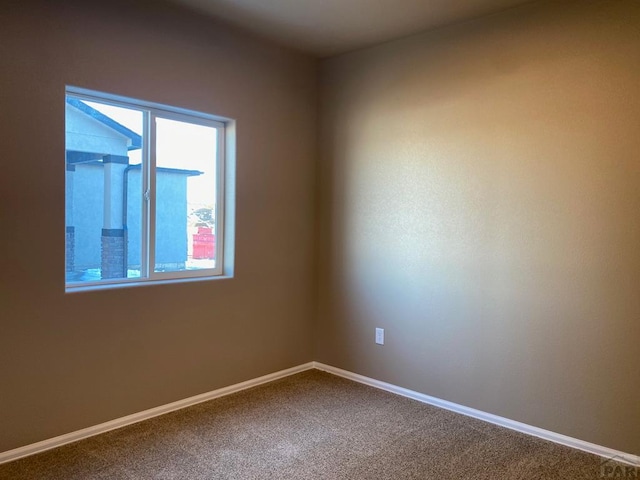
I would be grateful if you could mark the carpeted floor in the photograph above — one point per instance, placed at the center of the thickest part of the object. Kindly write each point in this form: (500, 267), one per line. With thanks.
(312, 425)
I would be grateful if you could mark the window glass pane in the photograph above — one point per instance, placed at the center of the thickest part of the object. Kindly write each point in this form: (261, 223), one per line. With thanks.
(103, 208)
(185, 196)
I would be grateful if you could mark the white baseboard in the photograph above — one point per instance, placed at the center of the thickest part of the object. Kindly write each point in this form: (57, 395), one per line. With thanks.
(605, 452)
(54, 442)
(187, 402)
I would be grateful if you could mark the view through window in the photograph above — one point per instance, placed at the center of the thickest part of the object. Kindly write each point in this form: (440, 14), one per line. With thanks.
(144, 192)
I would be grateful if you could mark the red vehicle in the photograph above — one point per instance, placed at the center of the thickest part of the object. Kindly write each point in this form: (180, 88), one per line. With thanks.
(204, 244)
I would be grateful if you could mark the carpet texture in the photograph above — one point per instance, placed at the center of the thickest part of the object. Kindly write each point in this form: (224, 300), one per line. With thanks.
(312, 425)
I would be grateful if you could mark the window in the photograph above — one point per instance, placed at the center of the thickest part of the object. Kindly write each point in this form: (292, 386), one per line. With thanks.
(145, 191)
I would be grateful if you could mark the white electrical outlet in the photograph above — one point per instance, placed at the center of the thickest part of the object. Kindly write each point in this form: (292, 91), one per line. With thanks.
(380, 336)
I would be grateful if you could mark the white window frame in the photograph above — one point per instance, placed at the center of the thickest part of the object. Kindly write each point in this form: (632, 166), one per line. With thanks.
(152, 111)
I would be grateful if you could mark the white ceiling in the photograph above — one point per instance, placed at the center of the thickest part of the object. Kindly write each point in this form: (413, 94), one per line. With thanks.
(330, 27)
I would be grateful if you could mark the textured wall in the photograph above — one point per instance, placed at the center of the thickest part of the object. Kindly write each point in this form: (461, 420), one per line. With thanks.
(480, 199)
(69, 361)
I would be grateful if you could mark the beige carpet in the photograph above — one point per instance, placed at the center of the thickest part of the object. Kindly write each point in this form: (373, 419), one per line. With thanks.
(309, 426)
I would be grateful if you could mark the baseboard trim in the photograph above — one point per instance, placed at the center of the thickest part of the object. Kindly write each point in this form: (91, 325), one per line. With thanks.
(605, 452)
(58, 441)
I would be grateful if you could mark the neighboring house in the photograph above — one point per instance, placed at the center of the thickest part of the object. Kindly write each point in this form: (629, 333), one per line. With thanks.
(104, 200)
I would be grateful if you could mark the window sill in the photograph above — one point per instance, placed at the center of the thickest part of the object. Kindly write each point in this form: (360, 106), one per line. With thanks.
(141, 283)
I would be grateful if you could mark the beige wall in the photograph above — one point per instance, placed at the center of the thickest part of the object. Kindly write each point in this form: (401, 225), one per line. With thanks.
(480, 200)
(69, 361)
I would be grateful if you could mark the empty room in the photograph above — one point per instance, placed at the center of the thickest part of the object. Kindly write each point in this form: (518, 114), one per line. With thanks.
(337, 239)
